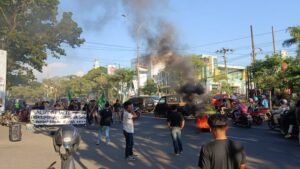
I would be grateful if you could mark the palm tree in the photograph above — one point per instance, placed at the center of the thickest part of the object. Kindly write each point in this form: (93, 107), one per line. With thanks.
(295, 34)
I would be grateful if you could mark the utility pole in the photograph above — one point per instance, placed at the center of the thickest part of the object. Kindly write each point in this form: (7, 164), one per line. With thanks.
(253, 47)
(224, 51)
(253, 54)
(273, 39)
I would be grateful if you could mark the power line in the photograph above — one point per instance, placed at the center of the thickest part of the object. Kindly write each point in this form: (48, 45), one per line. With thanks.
(110, 45)
(236, 39)
(104, 46)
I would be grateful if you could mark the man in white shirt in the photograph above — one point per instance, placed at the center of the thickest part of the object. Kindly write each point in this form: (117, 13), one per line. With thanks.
(128, 129)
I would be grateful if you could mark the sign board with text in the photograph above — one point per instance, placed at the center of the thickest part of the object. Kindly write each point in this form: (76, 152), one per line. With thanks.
(3, 64)
(57, 117)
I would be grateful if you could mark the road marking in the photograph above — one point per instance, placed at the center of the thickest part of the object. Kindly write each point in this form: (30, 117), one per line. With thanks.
(246, 139)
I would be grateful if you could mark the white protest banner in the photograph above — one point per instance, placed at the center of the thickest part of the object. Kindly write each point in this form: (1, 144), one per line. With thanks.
(57, 117)
(3, 64)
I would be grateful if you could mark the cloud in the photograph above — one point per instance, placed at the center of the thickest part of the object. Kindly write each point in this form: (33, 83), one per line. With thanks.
(79, 73)
(51, 70)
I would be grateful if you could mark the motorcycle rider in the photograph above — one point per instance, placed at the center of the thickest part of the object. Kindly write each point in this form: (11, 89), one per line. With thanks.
(264, 102)
(237, 112)
(281, 110)
(252, 105)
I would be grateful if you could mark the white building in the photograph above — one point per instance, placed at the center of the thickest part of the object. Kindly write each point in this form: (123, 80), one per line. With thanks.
(96, 64)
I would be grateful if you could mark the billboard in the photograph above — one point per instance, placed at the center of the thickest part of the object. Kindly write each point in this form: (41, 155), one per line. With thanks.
(3, 62)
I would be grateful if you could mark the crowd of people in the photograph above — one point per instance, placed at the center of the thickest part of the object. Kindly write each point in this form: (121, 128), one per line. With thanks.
(217, 153)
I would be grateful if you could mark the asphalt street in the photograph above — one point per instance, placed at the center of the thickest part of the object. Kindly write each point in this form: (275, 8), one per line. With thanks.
(265, 149)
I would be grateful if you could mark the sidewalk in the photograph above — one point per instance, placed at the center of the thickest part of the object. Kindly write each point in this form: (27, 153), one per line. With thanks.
(35, 151)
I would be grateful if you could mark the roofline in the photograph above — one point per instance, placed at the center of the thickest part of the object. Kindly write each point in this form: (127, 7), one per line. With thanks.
(233, 67)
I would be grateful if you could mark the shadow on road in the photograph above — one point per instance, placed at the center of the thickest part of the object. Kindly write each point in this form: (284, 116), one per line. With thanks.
(265, 149)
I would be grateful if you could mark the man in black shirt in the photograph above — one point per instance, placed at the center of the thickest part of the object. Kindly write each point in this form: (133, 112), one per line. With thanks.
(176, 123)
(105, 122)
(221, 153)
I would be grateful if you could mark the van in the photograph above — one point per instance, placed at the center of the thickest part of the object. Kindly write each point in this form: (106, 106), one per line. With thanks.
(145, 103)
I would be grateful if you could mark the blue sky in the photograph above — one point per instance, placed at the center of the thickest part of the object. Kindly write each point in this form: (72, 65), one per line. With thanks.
(203, 26)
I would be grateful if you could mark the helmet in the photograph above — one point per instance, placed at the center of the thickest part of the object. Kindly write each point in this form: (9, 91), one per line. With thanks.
(251, 100)
(68, 137)
(283, 101)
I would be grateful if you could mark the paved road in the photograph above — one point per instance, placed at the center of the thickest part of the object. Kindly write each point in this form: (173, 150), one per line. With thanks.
(265, 149)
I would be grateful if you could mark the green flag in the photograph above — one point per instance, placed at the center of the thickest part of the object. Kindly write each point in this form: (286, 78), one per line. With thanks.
(101, 101)
(69, 95)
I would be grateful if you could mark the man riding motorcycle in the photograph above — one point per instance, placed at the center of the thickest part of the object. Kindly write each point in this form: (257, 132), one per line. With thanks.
(252, 105)
(281, 110)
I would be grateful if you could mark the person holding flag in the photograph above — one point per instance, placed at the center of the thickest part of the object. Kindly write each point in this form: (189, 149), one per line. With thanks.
(101, 102)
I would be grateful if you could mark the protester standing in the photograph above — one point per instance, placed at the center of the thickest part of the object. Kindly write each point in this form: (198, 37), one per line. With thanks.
(128, 129)
(221, 152)
(176, 123)
(105, 122)
(93, 111)
(117, 111)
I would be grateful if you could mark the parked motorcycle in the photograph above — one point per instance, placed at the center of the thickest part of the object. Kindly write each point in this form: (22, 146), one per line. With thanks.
(241, 116)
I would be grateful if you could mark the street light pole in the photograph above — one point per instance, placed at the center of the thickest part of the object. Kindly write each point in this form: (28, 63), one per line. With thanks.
(137, 54)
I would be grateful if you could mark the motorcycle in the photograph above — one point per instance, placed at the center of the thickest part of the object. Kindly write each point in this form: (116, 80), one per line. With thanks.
(241, 116)
(258, 115)
(285, 120)
(271, 123)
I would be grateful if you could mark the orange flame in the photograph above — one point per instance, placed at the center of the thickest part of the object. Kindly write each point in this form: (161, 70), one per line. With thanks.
(202, 123)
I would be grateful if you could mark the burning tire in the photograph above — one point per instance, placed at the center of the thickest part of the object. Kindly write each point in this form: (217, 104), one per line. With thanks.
(202, 122)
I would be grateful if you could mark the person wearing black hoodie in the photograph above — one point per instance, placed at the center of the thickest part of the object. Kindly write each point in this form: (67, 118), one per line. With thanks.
(105, 122)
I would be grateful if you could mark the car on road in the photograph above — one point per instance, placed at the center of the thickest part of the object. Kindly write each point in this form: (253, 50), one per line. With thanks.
(156, 99)
(165, 102)
(145, 103)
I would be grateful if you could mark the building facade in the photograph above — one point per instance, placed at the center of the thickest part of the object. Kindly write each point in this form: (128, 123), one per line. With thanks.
(212, 76)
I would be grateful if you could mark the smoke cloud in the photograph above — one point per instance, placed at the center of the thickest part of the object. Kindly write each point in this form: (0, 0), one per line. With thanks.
(89, 13)
(163, 47)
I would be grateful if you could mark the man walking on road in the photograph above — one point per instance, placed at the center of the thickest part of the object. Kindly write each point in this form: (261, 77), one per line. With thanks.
(176, 123)
(221, 153)
(128, 129)
(105, 122)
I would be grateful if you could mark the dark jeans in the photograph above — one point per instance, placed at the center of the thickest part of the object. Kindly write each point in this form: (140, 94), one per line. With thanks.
(176, 138)
(129, 143)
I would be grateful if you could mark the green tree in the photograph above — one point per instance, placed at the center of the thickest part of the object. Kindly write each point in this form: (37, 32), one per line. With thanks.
(292, 75)
(150, 88)
(33, 90)
(295, 34)
(97, 79)
(267, 73)
(30, 31)
(121, 80)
